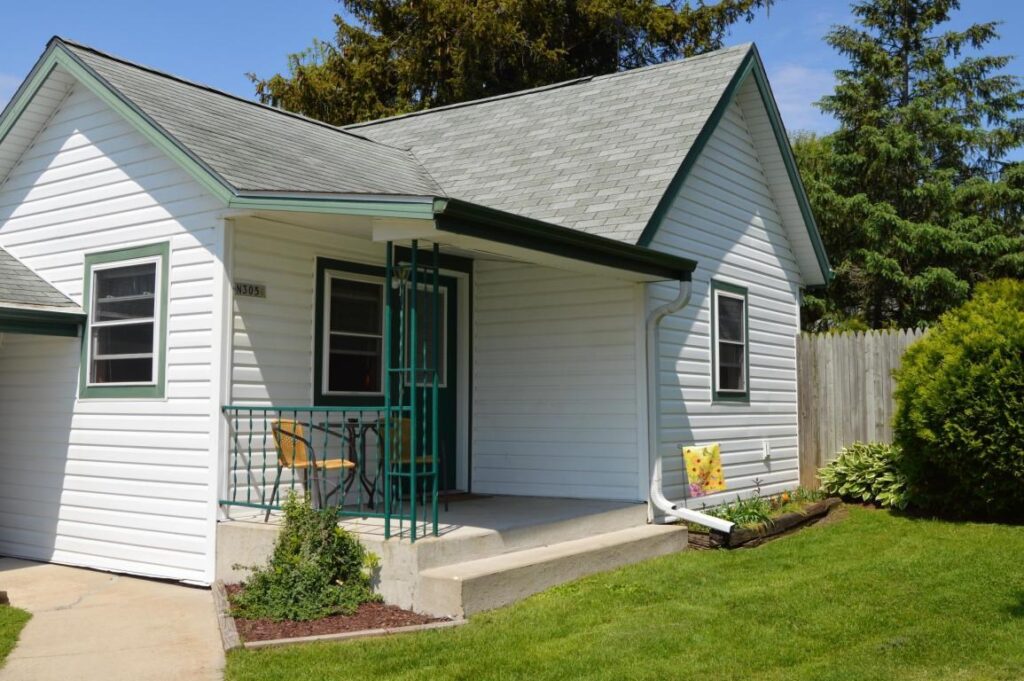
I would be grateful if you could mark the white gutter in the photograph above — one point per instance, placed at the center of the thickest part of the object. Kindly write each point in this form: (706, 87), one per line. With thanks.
(672, 510)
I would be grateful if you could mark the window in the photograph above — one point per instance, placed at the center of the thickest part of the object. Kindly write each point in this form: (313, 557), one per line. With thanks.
(125, 297)
(348, 353)
(729, 350)
(354, 338)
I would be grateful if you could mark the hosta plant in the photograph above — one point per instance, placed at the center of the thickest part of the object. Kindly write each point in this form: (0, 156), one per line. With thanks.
(867, 472)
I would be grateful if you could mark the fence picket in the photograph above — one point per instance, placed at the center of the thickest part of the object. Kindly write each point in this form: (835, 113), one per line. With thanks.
(845, 392)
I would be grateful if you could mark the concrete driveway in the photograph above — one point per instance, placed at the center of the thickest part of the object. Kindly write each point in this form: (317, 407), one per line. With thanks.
(95, 625)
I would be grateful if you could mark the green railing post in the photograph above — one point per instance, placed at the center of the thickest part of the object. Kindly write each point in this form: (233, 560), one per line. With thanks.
(248, 488)
(433, 401)
(413, 426)
(387, 392)
(232, 479)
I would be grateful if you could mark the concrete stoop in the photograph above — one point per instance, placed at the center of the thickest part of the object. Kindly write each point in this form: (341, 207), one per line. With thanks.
(462, 589)
(488, 554)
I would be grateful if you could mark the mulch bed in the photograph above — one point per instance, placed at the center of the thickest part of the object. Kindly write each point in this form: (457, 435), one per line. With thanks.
(368, 616)
(780, 527)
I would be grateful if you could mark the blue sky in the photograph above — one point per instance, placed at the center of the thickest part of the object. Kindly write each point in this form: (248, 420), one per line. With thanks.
(218, 41)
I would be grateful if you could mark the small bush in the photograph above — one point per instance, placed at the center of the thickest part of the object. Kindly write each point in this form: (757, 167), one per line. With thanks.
(317, 569)
(867, 472)
(960, 408)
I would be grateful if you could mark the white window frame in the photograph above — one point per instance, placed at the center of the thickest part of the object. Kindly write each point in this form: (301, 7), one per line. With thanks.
(325, 341)
(156, 320)
(717, 295)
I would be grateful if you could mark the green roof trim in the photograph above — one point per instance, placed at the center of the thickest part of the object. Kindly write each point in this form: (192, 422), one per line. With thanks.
(751, 65)
(39, 73)
(461, 217)
(41, 322)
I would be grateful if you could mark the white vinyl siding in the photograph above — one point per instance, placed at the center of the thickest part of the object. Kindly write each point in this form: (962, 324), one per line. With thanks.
(273, 337)
(725, 218)
(555, 406)
(119, 484)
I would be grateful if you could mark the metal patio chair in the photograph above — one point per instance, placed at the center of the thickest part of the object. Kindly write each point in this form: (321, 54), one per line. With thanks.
(295, 450)
(403, 431)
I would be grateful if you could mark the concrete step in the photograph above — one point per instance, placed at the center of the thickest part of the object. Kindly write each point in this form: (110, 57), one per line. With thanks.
(463, 589)
(473, 541)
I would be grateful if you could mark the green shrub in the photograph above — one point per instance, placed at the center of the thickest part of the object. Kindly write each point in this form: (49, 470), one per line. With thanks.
(317, 569)
(867, 472)
(960, 408)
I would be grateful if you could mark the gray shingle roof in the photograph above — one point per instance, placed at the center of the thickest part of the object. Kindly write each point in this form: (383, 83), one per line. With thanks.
(258, 148)
(593, 154)
(22, 288)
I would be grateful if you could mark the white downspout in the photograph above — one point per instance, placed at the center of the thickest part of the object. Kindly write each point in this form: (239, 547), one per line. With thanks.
(672, 510)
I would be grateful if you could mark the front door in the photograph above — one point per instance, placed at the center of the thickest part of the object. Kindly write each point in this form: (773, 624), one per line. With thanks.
(447, 346)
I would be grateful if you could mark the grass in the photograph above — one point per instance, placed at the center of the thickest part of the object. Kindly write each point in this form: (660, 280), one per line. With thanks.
(875, 596)
(11, 622)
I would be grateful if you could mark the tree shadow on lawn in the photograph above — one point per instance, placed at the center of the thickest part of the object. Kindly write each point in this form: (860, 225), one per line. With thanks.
(1017, 609)
(918, 515)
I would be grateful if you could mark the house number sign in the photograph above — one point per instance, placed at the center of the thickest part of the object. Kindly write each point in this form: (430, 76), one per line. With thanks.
(247, 289)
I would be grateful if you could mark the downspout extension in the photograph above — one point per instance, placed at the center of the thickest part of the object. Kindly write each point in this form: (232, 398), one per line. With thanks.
(674, 511)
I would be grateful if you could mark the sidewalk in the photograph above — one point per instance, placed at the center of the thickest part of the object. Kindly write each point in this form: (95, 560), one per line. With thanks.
(94, 625)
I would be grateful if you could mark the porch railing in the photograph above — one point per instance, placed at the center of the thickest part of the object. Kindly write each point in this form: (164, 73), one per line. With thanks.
(352, 459)
(376, 462)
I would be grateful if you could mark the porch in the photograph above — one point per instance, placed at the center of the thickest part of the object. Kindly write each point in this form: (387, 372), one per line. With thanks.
(518, 456)
(489, 550)
(538, 361)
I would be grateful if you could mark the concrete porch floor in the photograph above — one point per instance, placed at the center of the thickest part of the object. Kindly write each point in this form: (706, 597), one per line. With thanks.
(474, 515)
(489, 551)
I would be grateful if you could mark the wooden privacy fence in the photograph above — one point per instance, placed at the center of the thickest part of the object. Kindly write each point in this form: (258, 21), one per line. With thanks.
(845, 389)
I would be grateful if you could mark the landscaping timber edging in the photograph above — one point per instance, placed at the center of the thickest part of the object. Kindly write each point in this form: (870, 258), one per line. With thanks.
(752, 536)
(353, 635)
(228, 633)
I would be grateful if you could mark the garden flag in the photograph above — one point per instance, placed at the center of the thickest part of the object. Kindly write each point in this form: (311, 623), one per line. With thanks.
(704, 469)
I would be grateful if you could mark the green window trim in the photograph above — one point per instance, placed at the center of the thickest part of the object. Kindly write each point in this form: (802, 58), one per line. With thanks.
(717, 395)
(324, 266)
(160, 251)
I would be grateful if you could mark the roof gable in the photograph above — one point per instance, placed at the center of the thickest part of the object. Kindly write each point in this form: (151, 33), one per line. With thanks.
(749, 85)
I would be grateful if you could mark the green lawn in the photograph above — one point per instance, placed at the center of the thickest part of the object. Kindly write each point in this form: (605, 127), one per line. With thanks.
(11, 622)
(874, 596)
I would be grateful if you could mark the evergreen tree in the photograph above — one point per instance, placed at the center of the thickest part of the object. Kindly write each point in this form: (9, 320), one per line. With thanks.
(914, 199)
(397, 56)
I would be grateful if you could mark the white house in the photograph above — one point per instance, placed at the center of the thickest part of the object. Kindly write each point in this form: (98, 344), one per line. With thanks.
(183, 268)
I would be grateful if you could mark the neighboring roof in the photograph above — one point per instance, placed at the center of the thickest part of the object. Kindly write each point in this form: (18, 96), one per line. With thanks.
(22, 288)
(255, 147)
